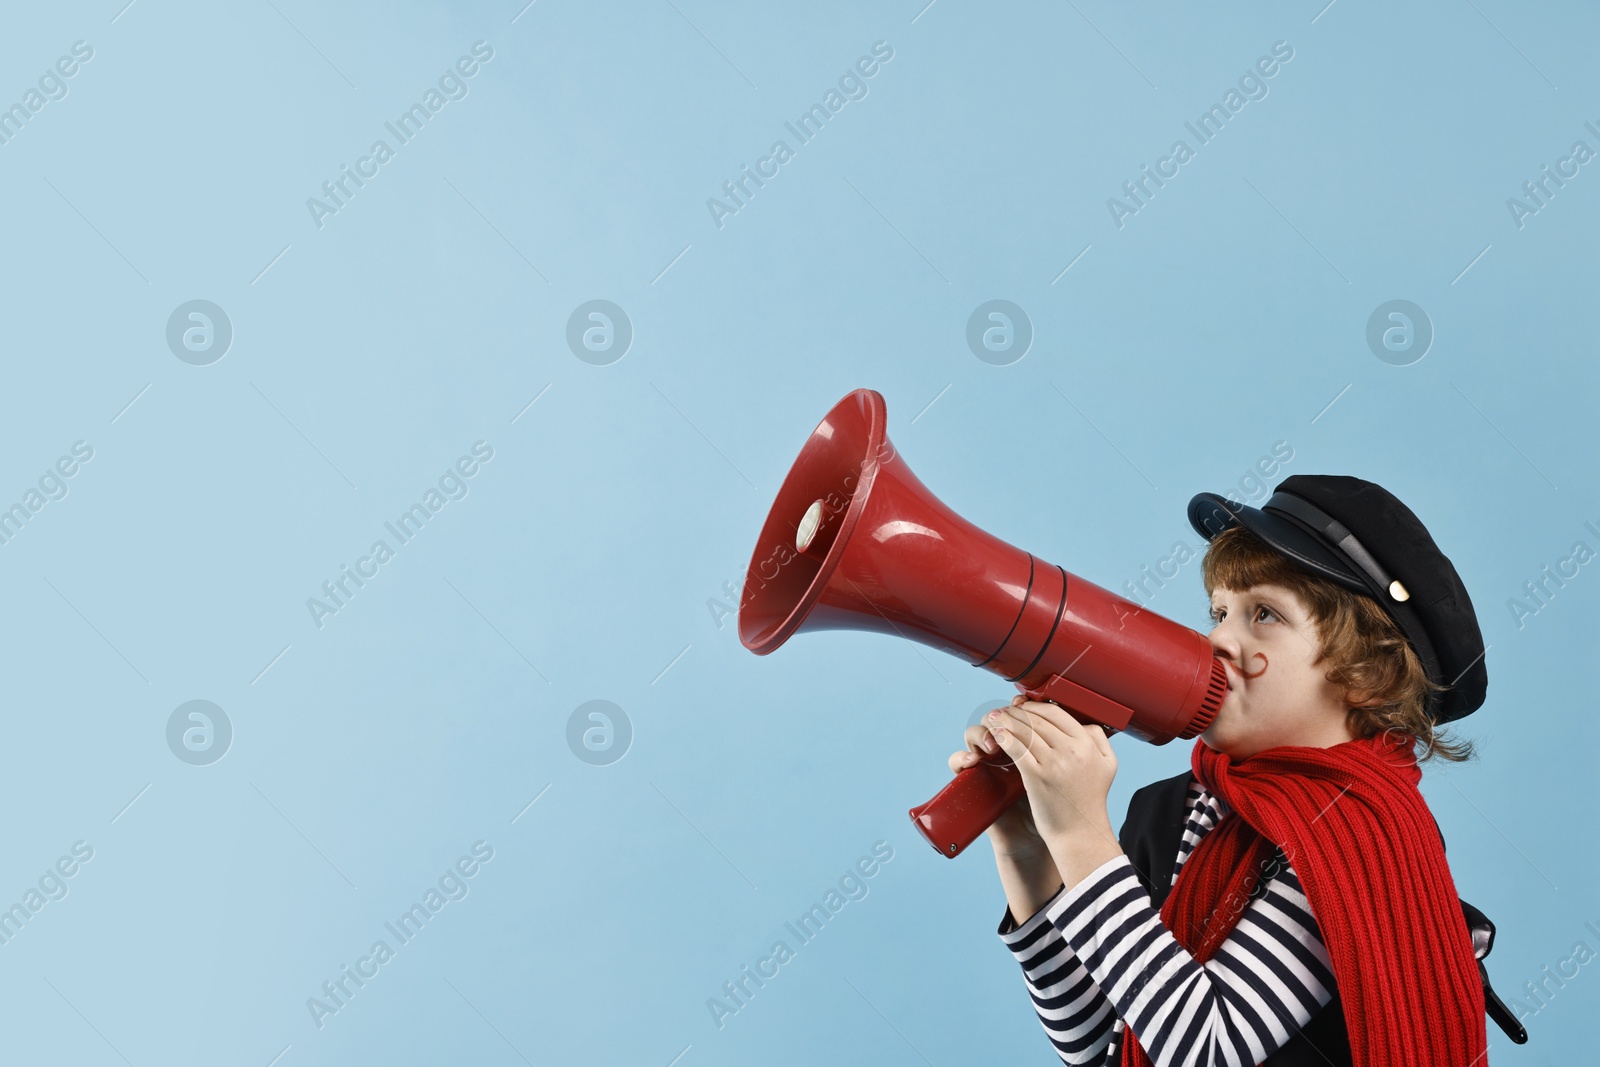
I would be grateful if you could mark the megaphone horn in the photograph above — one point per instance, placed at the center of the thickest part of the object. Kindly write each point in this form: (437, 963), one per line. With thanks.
(854, 541)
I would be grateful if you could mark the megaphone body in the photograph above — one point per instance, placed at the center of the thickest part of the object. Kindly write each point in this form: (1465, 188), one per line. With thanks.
(854, 541)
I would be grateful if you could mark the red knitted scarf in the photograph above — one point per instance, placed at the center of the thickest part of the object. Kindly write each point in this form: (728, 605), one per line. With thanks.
(1359, 836)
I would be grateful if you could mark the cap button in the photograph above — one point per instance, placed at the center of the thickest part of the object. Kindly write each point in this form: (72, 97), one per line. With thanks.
(1398, 591)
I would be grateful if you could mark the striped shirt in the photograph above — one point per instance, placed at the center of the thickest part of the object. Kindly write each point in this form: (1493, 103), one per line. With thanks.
(1097, 958)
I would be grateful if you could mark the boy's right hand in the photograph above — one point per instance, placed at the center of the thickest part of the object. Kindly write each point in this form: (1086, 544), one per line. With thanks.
(1014, 833)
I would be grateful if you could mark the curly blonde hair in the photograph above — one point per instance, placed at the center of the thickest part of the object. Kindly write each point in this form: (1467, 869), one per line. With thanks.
(1385, 687)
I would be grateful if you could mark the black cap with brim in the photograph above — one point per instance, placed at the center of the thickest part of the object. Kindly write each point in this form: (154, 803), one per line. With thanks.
(1359, 535)
(1210, 514)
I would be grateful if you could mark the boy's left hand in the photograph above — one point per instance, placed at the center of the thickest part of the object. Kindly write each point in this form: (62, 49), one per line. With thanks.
(1067, 768)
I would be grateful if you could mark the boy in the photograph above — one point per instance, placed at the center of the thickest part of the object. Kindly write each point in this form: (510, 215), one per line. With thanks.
(1308, 914)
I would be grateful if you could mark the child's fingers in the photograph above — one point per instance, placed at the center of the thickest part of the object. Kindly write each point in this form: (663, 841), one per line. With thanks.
(1018, 748)
(1101, 739)
(960, 761)
(981, 744)
(979, 739)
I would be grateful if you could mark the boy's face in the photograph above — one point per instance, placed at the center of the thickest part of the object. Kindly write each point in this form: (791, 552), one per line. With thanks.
(1278, 693)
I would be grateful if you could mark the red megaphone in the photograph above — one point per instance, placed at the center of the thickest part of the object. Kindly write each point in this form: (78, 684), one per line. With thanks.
(855, 542)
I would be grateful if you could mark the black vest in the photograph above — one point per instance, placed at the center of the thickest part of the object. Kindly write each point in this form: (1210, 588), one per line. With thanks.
(1150, 836)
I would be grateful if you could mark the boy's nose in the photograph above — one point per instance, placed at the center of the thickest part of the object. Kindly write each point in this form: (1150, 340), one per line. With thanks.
(1223, 643)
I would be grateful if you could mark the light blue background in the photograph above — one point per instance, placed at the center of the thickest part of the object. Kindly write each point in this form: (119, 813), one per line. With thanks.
(1224, 317)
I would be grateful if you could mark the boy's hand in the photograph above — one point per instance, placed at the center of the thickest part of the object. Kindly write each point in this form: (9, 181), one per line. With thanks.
(1014, 834)
(1023, 857)
(1067, 768)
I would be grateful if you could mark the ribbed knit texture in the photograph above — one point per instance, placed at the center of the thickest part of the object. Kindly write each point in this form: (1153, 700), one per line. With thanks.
(1357, 831)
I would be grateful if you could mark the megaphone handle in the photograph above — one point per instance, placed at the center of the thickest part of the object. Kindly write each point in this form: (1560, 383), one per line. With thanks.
(969, 804)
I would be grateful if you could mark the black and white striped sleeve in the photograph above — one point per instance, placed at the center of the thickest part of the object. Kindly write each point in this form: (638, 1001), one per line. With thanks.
(1076, 1016)
(1264, 983)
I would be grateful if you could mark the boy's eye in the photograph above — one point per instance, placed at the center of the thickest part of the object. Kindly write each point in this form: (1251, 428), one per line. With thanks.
(1264, 613)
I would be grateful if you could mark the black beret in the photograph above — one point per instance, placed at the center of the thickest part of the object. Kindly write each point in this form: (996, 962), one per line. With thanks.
(1361, 536)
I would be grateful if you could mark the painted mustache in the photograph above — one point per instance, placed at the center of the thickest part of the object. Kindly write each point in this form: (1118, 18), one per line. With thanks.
(1246, 674)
